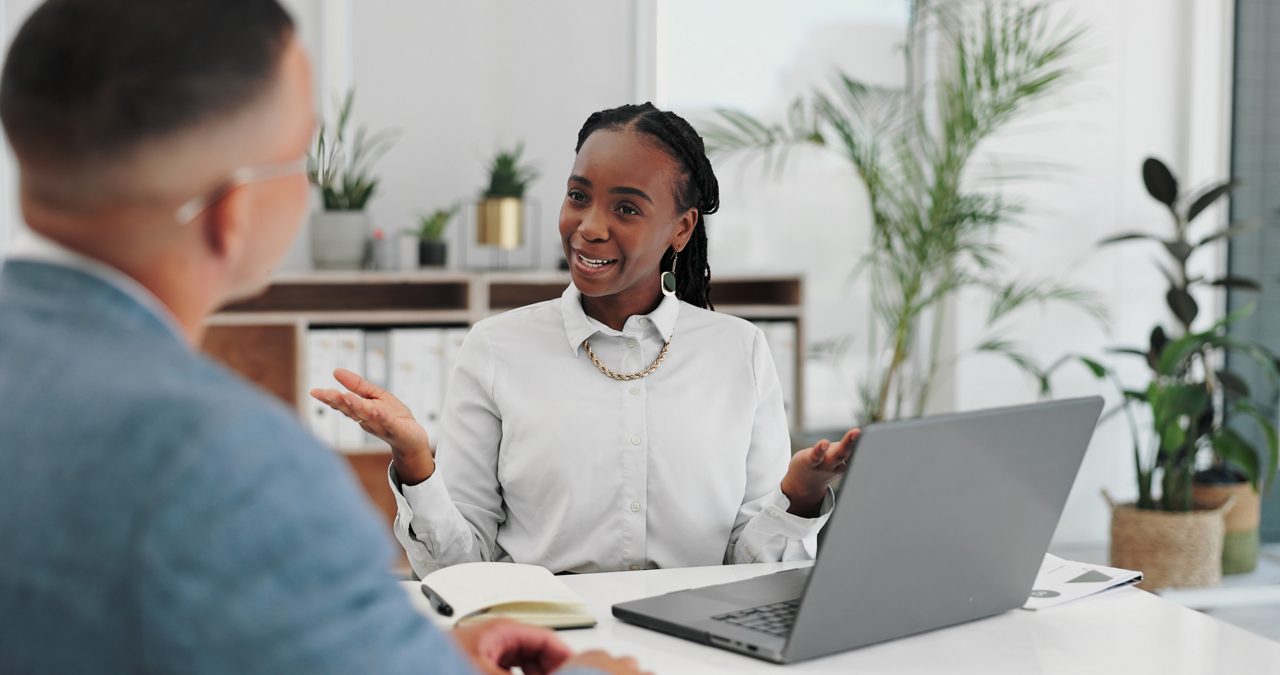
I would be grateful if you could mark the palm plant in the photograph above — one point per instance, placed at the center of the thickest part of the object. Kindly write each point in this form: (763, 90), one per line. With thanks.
(933, 234)
(1191, 395)
(343, 171)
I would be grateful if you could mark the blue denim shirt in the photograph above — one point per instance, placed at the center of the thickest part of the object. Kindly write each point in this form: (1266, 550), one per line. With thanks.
(158, 514)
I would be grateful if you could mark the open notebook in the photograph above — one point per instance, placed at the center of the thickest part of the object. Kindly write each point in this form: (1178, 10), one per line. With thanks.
(486, 590)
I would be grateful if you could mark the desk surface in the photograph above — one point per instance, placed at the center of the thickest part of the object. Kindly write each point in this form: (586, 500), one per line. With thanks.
(1122, 631)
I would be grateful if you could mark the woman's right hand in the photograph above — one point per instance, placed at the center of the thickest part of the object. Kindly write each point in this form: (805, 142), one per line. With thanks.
(384, 416)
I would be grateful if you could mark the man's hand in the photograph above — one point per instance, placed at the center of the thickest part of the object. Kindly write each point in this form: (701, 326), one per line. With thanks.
(812, 470)
(499, 645)
(384, 416)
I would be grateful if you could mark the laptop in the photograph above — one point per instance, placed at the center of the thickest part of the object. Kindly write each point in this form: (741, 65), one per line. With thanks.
(938, 521)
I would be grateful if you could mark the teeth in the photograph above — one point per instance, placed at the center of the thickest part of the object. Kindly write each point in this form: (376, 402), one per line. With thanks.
(594, 262)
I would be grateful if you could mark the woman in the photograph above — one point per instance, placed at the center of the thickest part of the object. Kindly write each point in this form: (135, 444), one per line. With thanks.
(624, 425)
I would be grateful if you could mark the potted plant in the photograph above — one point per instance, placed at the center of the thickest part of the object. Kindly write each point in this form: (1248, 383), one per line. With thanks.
(936, 234)
(1198, 407)
(432, 249)
(340, 165)
(499, 220)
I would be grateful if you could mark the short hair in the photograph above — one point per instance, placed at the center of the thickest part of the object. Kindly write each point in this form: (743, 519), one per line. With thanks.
(88, 80)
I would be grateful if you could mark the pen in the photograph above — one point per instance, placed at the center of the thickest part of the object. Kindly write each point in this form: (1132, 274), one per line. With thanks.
(441, 606)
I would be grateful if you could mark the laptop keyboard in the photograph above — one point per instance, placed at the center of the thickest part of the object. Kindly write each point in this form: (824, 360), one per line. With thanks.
(774, 619)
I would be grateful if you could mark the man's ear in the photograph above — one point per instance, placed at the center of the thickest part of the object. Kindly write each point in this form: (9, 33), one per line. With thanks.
(684, 229)
(226, 225)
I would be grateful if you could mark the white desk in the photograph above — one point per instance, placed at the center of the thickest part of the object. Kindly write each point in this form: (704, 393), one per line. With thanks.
(1124, 631)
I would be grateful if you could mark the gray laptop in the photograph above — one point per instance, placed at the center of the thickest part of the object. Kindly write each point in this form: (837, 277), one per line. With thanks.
(939, 520)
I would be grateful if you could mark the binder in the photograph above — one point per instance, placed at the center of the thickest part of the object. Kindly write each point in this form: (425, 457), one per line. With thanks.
(321, 359)
(377, 365)
(415, 377)
(350, 355)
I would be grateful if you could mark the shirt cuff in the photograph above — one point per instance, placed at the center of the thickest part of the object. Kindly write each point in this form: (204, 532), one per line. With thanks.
(777, 521)
(414, 502)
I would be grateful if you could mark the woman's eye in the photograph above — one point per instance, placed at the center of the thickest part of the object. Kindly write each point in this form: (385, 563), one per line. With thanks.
(577, 196)
(628, 210)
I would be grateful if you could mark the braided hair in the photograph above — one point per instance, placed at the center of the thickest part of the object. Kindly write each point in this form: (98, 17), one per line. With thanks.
(697, 186)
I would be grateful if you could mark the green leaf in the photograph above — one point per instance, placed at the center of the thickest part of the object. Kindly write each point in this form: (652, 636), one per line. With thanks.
(1230, 232)
(1183, 305)
(1233, 384)
(1158, 342)
(1019, 359)
(1180, 250)
(1099, 371)
(1243, 283)
(1268, 476)
(1208, 197)
(1127, 236)
(1239, 453)
(1160, 183)
(1172, 405)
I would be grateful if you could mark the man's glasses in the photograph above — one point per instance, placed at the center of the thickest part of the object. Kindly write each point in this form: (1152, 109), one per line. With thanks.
(245, 175)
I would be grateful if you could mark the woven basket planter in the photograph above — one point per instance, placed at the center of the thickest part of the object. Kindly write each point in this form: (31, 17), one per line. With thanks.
(1171, 549)
(1241, 542)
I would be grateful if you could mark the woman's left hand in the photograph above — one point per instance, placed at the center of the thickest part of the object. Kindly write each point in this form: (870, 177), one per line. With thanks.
(812, 470)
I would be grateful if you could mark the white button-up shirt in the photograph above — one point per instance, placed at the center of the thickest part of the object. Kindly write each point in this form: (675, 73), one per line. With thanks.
(543, 459)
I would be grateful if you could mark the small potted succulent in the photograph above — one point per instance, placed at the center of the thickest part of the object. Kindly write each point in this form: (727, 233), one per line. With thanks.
(432, 248)
(341, 165)
(499, 220)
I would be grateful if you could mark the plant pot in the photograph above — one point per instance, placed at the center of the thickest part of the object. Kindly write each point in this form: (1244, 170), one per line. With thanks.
(339, 239)
(1240, 542)
(432, 253)
(499, 222)
(1172, 549)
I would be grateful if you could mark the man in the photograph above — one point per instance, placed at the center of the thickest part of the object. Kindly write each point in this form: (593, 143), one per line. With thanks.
(149, 500)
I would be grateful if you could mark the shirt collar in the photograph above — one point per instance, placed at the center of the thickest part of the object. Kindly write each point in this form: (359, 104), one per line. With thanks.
(33, 247)
(578, 326)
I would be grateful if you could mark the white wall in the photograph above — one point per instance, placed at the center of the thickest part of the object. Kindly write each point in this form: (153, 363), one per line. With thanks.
(461, 80)
(12, 14)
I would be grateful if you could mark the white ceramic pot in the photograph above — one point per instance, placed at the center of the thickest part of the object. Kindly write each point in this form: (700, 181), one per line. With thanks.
(339, 239)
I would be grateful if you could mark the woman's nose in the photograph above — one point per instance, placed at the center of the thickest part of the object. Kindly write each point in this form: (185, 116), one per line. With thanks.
(593, 226)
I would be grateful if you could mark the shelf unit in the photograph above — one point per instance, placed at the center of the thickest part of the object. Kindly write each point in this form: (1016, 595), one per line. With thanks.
(264, 338)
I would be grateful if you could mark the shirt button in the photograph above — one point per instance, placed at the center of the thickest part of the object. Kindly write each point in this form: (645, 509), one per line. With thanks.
(635, 440)
(635, 507)
(634, 391)
(632, 344)
(644, 321)
(634, 568)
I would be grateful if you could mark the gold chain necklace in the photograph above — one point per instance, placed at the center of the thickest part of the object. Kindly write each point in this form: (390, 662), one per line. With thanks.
(626, 377)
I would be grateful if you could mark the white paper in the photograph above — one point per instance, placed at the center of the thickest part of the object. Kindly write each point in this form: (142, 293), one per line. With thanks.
(1061, 581)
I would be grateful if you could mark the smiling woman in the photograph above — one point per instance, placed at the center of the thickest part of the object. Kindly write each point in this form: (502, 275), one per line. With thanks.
(620, 426)
(630, 209)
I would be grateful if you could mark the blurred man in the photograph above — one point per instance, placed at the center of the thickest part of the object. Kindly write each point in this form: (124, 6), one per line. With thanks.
(149, 500)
